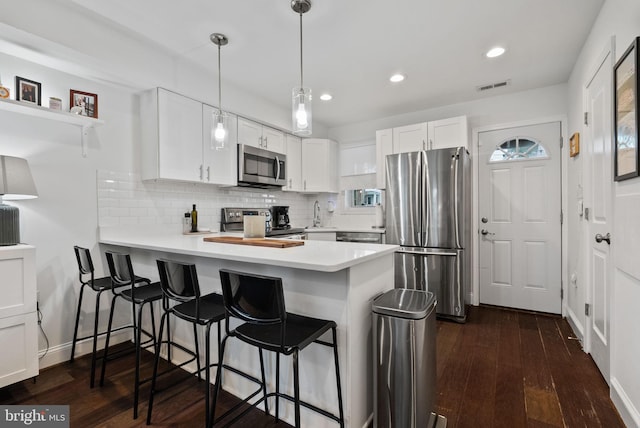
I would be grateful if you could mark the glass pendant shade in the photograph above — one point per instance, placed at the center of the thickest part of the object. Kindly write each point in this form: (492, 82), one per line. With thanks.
(219, 130)
(301, 114)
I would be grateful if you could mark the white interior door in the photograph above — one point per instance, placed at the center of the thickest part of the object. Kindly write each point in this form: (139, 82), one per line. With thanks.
(519, 206)
(598, 191)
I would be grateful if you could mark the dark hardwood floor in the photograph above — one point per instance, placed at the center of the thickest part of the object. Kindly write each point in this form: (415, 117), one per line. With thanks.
(501, 369)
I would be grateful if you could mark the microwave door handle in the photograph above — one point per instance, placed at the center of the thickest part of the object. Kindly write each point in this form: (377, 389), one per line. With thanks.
(277, 168)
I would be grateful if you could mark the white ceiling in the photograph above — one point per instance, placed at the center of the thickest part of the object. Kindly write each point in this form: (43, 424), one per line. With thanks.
(351, 47)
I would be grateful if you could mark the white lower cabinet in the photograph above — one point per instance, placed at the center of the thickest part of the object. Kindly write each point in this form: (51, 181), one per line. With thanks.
(319, 165)
(176, 141)
(18, 316)
(294, 163)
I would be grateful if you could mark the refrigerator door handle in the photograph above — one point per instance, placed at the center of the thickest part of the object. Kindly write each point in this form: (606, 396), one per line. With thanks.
(456, 165)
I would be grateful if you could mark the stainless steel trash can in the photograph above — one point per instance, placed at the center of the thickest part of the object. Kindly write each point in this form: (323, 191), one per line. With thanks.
(404, 343)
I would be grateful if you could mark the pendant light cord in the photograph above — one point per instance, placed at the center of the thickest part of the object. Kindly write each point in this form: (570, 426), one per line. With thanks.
(219, 83)
(301, 75)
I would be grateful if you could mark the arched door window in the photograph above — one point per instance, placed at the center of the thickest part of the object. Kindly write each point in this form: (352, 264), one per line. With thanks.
(518, 148)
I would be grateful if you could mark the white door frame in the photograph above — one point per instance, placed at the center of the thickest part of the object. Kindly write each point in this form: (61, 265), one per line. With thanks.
(475, 292)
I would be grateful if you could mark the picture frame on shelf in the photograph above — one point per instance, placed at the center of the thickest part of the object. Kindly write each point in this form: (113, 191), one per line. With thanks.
(83, 103)
(625, 75)
(28, 91)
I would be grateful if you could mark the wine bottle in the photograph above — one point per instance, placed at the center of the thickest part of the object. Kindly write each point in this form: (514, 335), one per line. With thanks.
(194, 219)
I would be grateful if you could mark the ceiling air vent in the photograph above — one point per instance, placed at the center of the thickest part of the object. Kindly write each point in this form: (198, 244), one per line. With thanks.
(482, 88)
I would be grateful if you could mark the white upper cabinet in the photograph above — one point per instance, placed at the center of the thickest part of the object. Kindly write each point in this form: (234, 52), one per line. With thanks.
(384, 147)
(176, 141)
(410, 138)
(437, 134)
(257, 135)
(319, 165)
(294, 163)
(450, 132)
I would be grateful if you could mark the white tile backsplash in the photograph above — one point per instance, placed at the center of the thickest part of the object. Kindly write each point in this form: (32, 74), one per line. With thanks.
(124, 199)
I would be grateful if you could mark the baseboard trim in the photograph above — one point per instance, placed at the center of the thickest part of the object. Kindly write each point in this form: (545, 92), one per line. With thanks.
(624, 405)
(61, 353)
(575, 324)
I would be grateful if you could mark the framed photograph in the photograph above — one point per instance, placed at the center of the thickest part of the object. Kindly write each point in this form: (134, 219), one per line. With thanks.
(83, 103)
(574, 145)
(28, 90)
(625, 75)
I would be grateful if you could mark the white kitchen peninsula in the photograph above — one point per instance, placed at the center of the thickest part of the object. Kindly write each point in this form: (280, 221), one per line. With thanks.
(322, 279)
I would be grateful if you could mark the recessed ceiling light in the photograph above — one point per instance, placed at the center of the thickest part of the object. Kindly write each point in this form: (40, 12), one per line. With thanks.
(326, 97)
(397, 78)
(495, 52)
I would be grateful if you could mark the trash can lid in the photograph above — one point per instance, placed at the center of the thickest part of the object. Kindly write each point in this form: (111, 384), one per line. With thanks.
(405, 303)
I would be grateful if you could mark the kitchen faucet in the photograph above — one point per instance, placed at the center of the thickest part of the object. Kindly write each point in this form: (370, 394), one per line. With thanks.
(316, 214)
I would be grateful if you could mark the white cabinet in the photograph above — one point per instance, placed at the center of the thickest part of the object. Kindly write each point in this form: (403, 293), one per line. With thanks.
(410, 138)
(176, 141)
(294, 163)
(450, 132)
(18, 316)
(319, 165)
(384, 147)
(257, 135)
(437, 134)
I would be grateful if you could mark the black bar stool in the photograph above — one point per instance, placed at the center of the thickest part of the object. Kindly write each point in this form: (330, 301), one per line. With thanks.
(121, 273)
(259, 302)
(99, 285)
(182, 299)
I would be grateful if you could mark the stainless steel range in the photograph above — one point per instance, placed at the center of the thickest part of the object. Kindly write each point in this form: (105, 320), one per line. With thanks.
(232, 220)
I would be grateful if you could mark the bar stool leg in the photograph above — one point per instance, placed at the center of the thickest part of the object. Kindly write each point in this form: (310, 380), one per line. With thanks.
(277, 386)
(264, 381)
(95, 339)
(106, 343)
(138, 341)
(207, 376)
(155, 368)
(195, 338)
(296, 387)
(337, 361)
(75, 330)
(212, 414)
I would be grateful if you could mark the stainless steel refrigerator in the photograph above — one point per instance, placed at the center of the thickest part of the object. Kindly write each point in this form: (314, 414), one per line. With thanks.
(428, 213)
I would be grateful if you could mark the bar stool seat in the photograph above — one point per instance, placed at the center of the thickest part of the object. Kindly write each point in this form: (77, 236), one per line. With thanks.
(258, 300)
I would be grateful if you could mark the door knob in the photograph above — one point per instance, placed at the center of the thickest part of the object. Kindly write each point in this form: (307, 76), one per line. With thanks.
(484, 220)
(606, 238)
(486, 232)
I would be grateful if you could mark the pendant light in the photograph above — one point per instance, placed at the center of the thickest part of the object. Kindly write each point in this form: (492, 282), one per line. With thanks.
(220, 123)
(301, 97)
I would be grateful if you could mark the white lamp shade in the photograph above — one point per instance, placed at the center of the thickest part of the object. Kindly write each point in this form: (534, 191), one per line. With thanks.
(16, 181)
(301, 112)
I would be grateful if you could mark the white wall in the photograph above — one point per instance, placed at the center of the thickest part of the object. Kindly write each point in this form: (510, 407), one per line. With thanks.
(619, 18)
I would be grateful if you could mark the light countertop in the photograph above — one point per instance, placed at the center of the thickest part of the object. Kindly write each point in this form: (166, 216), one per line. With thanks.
(320, 256)
(328, 229)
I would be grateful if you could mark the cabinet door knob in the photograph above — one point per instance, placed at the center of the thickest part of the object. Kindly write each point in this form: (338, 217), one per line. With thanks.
(266, 142)
(208, 173)
(200, 172)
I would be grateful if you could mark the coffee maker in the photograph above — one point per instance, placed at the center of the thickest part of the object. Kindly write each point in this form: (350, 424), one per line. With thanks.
(280, 217)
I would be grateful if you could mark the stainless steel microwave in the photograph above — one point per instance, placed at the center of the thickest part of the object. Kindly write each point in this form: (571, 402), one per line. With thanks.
(260, 168)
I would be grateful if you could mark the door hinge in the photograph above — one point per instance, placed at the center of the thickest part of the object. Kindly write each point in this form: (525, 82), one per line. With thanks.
(561, 292)
(561, 142)
(586, 118)
(586, 213)
(561, 217)
(587, 308)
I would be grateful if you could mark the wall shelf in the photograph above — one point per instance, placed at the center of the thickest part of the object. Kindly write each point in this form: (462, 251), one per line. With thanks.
(85, 123)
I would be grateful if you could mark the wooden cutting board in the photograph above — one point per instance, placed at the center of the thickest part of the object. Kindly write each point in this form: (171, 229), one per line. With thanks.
(272, 243)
